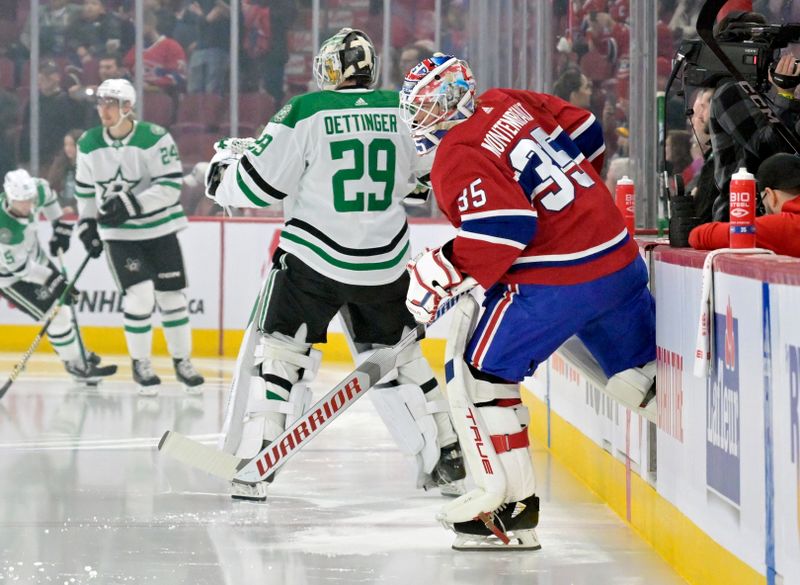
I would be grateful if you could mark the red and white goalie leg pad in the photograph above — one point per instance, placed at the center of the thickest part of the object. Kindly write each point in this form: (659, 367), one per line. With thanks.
(277, 395)
(491, 422)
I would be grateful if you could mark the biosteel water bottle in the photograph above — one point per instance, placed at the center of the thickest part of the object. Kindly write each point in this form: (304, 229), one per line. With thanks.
(626, 203)
(743, 210)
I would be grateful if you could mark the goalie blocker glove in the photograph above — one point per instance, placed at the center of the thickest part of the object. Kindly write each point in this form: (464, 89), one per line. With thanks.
(87, 232)
(59, 241)
(119, 208)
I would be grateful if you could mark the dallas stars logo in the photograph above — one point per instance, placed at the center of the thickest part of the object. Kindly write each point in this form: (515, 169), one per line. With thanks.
(116, 184)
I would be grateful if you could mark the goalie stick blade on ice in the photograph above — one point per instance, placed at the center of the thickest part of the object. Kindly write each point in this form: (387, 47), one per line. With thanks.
(340, 398)
(271, 458)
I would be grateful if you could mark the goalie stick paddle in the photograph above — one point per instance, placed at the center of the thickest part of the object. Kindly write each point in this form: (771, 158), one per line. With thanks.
(705, 28)
(51, 314)
(264, 465)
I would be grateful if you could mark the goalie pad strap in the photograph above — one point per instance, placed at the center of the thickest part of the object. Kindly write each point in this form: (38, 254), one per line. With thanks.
(262, 406)
(505, 443)
(289, 356)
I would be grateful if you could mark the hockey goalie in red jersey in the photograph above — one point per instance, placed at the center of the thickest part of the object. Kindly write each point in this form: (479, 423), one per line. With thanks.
(517, 173)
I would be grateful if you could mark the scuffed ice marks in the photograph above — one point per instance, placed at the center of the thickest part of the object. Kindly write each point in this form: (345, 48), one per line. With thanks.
(42, 572)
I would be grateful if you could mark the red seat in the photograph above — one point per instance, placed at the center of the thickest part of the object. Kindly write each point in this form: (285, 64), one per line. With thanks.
(201, 108)
(244, 130)
(6, 73)
(194, 142)
(159, 108)
(255, 109)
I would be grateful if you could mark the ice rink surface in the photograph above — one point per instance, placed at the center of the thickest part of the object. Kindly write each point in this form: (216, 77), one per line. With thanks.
(86, 498)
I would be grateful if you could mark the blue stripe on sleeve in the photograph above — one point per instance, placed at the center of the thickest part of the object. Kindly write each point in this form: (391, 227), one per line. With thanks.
(590, 140)
(519, 228)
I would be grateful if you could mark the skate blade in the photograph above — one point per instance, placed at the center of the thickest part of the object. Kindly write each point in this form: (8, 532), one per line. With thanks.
(518, 540)
(242, 498)
(148, 391)
(193, 390)
(453, 489)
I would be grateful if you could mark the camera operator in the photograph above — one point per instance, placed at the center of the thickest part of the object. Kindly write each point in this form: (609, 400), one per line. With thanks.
(741, 135)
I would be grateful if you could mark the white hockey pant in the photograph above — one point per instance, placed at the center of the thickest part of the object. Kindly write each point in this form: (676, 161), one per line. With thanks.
(278, 393)
(491, 423)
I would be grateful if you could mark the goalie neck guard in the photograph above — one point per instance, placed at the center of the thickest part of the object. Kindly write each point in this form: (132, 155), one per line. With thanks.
(437, 94)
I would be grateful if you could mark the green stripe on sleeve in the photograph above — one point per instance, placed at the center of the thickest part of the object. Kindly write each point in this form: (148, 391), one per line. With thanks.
(248, 192)
(172, 184)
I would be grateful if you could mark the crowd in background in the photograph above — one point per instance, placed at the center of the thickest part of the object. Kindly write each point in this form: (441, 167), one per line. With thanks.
(186, 69)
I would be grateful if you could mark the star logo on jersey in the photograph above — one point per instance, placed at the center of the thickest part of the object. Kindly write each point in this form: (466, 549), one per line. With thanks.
(116, 184)
(361, 102)
(42, 294)
(133, 264)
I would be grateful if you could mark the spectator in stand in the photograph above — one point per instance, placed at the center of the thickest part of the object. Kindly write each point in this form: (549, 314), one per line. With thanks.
(109, 66)
(282, 14)
(57, 115)
(265, 50)
(574, 87)
(164, 60)
(454, 30)
(679, 153)
(61, 174)
(8, 119)
(55, 18)
(684, 18)
(98, 32)
(778, 230)
(208, 64)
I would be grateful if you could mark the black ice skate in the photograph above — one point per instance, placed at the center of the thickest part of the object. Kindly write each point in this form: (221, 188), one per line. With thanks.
(510, 527)
(145, 377)
(187, 375)
(90, 373)
(449, 472)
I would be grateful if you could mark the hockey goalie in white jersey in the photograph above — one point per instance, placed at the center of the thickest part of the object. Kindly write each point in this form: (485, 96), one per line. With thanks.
(340, 162)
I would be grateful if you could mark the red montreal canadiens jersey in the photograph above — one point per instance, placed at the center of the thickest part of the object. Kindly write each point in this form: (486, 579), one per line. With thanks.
(520, 179)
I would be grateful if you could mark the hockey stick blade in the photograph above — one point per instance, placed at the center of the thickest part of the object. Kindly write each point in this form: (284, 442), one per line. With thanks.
(203, 457)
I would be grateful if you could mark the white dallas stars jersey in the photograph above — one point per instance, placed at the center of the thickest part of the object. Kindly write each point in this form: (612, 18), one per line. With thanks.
(341, 162)
(145, 163)
(21, 257)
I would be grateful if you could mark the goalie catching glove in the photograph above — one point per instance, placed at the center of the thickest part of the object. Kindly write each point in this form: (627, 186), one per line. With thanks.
(228, 152)
(433, 278)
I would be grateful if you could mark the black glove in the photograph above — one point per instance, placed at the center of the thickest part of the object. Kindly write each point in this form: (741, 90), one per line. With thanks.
(87, 232)
(118, 208)
(55, 287)
(59, 241)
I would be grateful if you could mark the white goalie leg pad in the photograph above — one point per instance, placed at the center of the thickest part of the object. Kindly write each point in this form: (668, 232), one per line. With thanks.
(493, 438)
(276, 395)
(630, 387)
(236, 406)
(409, 418)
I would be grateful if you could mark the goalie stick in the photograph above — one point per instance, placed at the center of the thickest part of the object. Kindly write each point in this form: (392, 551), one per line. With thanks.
(48, 319)
(705, 28)
(264, 465)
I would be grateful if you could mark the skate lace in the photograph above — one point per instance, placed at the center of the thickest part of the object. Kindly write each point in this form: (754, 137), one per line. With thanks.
(186, 369)
(145, 368)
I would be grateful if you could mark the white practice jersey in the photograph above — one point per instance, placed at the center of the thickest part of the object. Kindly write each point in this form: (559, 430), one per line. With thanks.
(145, 163)
(21, 257)
(341, 163)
